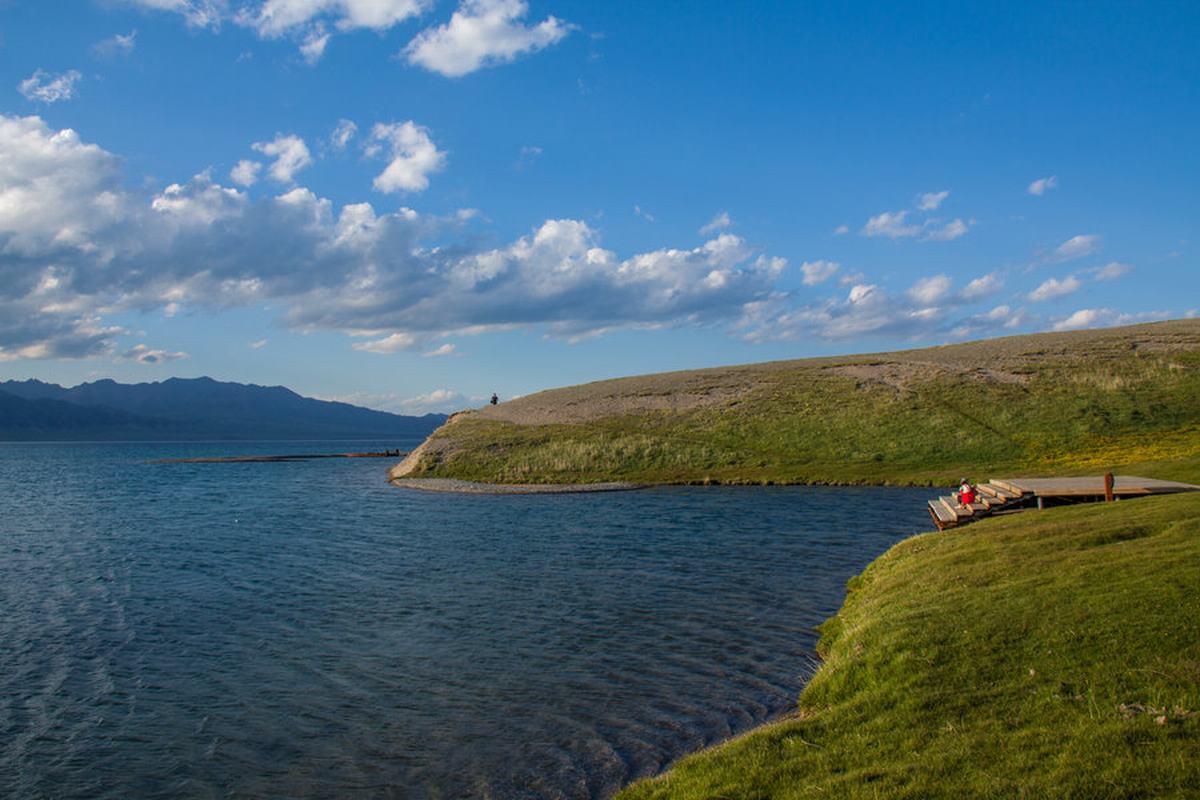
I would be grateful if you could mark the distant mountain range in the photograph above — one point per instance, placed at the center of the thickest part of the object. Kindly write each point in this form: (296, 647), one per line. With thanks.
(191, 409)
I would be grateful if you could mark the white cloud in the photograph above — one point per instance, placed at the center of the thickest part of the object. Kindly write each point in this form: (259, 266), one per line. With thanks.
(257, 345)
(290, 153)
(482, 33)
(948, 232)
(890, 224)
(646, 215)
(931, 290)
(42, 87)
(718, 223)
(1055, 288)
(274, 18)
(437, 352)
(198, 13)
(412, 156)
(309, 22)
(1076, 247)
(1104, 318)
(982, 286)
(1043, 185)
(313, 46)
(245, 173)
(841, 230)
(115, 46)
(342, 134)
(931, 200)
(816, 272)
(439, 401)
(393, 343)
(81, 244)
(1112, 270)
(143, 354)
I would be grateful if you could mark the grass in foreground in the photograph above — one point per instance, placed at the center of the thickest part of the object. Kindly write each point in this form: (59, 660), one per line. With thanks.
(1044, 654)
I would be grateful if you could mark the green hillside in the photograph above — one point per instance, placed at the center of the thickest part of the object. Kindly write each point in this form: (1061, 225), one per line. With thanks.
(1051, 654)
(1061, 403)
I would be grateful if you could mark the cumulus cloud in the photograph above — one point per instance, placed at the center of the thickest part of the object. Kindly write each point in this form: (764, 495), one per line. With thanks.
(931, 290)
(245, 173)
(309, 22)
(439, 401)
(841, 230)
(412, 156)
(277, 17)
(1112, 270)
(931, 200)
(443, 350)
(1105, 318)
(116, 46)
(80, 244)
(342, 134)
(816, 272)
(290, 153)
(890, 224)
(1053, 288)
(313, 45)
(143, 354)
(258, 344)
(1076, 247)
(982, 286)
(718, 223)
(482, 33)
(198, 13)
(1043, 185)
(42, 87)
(389, 344)
(945, 233)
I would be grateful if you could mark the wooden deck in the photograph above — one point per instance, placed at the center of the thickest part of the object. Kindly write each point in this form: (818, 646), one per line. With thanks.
(1011, 494)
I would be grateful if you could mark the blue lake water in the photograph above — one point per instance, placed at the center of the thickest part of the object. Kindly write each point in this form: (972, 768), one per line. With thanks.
(306, 630)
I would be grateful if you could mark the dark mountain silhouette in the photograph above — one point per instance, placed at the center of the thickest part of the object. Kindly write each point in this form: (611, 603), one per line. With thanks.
(188, 408)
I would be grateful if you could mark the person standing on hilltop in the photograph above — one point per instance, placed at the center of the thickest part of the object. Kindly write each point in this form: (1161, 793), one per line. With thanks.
(495, 398)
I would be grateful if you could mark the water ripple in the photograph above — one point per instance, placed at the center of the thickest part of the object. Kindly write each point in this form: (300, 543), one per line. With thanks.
(305, 630)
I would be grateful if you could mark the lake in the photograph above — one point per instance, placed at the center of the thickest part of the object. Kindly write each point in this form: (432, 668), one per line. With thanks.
(304, 629)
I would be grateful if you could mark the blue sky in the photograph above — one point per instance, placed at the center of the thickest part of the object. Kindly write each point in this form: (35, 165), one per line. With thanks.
(413, 203)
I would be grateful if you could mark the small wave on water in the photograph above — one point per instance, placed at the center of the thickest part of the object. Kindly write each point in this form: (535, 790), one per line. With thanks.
(302, 629)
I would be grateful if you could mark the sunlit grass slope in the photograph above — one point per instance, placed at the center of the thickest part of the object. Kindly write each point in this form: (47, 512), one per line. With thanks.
(1079, 402)
(1049, 654)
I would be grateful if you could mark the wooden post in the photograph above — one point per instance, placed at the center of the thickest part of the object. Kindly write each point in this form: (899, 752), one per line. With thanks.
(1108, 487)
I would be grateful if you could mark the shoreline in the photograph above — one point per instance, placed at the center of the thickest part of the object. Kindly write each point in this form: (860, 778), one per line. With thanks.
(883, 623)
(457, 486)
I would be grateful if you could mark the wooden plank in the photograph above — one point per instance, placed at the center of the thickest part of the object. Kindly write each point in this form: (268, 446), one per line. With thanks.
(960, 511)
(1093, 486)
(941, 514)
(951, 505)
(999, 492)
(1008, 486)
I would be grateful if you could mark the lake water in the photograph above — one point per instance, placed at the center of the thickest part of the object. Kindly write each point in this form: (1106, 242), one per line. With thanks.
(307, 630)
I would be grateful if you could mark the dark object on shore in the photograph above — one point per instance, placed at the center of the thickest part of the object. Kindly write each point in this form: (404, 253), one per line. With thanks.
(261, 459)
(495, 398)
(1015, 494)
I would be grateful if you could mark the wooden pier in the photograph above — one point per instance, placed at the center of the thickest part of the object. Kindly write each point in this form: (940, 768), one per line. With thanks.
(1013, 494)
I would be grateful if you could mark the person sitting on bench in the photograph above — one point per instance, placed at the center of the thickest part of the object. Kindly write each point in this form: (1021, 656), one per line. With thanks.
(966, 493)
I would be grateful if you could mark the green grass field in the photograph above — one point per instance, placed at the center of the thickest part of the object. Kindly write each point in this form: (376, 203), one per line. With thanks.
(1050, 654)
(1046, 404)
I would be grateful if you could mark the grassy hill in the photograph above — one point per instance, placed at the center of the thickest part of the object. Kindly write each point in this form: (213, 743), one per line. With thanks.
(1044, 654)
(1061, 403)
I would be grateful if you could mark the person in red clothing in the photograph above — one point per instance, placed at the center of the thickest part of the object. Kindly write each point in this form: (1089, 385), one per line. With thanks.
(966, 493)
